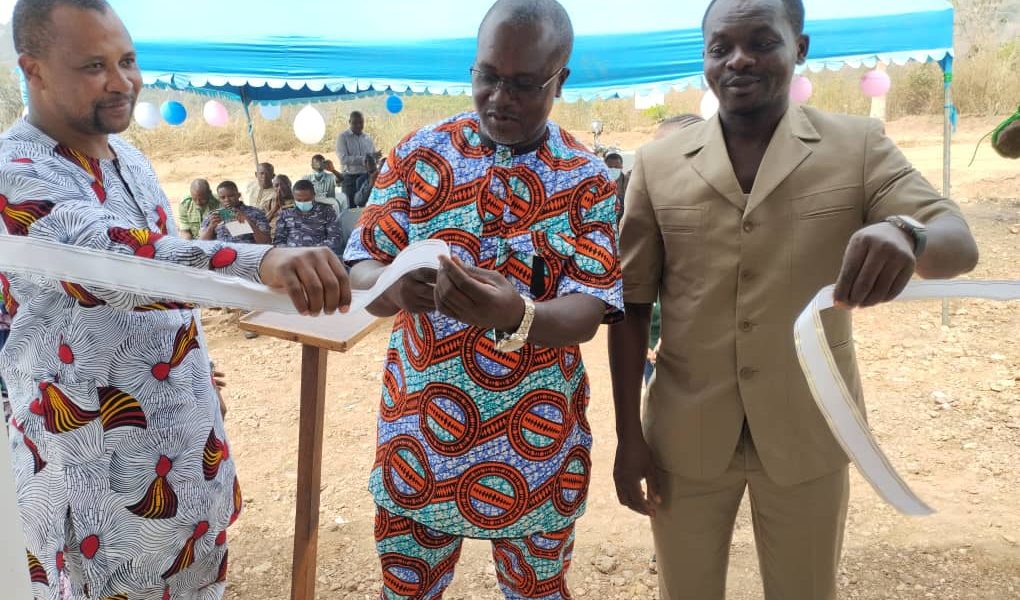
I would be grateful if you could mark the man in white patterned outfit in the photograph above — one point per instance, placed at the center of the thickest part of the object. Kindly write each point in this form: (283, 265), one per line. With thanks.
(123, 471)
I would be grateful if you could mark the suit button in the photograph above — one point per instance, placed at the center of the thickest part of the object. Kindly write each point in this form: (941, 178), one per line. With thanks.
(748, 373)
(747, 327)
(746, 275)
(749, 226)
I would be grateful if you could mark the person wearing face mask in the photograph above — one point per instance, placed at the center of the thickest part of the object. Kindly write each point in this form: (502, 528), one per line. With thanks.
(307, 223)
(615, 163)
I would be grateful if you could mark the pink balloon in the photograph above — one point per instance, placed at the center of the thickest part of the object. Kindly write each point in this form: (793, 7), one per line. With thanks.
(801, 89)
(215, 114)
(875, 84)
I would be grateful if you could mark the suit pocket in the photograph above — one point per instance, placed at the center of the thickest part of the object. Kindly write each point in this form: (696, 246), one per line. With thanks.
(682, 239)
(823, 224)
(679, 220)
(828, 211)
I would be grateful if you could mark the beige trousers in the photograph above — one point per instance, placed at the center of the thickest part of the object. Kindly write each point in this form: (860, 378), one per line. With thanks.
(798, 531)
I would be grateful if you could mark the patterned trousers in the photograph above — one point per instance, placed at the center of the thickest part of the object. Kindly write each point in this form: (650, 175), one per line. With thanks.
(418, 562)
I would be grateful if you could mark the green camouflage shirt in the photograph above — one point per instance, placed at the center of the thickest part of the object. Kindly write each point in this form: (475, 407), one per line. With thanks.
(191, 215)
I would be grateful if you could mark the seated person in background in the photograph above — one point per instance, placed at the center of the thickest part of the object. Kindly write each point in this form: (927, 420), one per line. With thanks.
(260, 193)
(195, 208)
(308, 223)
(363, 193)
(614, 161)
(235, 222)
(324, 177)
(283, 197)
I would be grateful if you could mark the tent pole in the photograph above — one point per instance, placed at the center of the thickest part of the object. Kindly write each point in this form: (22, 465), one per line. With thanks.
(947, 135)
(246, 103)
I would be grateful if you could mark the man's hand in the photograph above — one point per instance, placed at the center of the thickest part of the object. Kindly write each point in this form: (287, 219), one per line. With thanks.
(415, 291)
(314, 279)
(240, 217)
(634, 464)
(878, 264)
(651, 356)
(209, 231)
(274, 207)
(478, 297)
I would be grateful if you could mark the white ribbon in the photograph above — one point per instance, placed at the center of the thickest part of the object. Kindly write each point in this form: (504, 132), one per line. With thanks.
(837, 404)
(165, 281)
(168, 281)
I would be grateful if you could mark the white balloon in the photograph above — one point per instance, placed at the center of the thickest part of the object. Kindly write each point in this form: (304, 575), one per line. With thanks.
(709, 105)
(309, 126)
(147, 115)
(270, 112)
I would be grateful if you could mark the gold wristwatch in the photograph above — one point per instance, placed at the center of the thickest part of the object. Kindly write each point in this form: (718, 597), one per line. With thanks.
(512, 342)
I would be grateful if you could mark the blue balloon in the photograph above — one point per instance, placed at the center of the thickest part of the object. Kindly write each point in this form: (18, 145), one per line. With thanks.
(394, 104)
(173, 112)
(270, 112)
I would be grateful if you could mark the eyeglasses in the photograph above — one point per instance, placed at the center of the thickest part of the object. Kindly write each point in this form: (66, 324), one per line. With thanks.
(486, 81)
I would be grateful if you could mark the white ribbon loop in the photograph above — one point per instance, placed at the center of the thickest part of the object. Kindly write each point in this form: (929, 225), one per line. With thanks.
(837, 404)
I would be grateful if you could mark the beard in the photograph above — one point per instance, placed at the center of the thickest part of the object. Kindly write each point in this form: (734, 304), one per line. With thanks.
(102, 121)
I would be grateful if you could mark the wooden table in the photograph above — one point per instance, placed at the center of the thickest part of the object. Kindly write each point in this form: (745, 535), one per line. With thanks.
(317, 337)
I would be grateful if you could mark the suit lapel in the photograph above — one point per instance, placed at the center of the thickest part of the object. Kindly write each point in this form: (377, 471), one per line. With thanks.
(785, 153)
(713, 164)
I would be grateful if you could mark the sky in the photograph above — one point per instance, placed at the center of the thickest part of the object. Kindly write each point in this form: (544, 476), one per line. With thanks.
(6, 8)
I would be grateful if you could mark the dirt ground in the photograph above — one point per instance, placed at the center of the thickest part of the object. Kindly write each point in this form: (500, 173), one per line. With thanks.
(944, 402)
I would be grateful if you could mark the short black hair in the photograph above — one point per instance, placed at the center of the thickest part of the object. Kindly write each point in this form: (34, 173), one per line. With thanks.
(303, 184)
(535, 12)
(32, 17)
(794, 12)
(613, 155)
(318, 156)
(356, 113)
(229, 185)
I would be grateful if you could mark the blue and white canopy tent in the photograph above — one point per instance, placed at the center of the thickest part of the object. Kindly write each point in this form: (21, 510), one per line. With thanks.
(265, 51)
(268, 52)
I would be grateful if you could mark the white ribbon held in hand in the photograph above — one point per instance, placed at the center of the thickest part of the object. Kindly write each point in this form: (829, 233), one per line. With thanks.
(837, 404)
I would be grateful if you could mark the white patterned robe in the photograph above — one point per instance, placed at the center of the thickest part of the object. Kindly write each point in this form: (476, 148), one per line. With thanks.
(123, 471)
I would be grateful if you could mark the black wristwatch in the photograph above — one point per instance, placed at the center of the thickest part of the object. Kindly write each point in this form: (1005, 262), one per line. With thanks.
(914, 228)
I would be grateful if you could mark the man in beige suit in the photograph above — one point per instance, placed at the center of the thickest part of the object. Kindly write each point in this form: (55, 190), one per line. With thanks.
(735, 224)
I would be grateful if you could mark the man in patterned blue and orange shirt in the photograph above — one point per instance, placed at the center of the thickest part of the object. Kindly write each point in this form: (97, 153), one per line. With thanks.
(482, 428)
